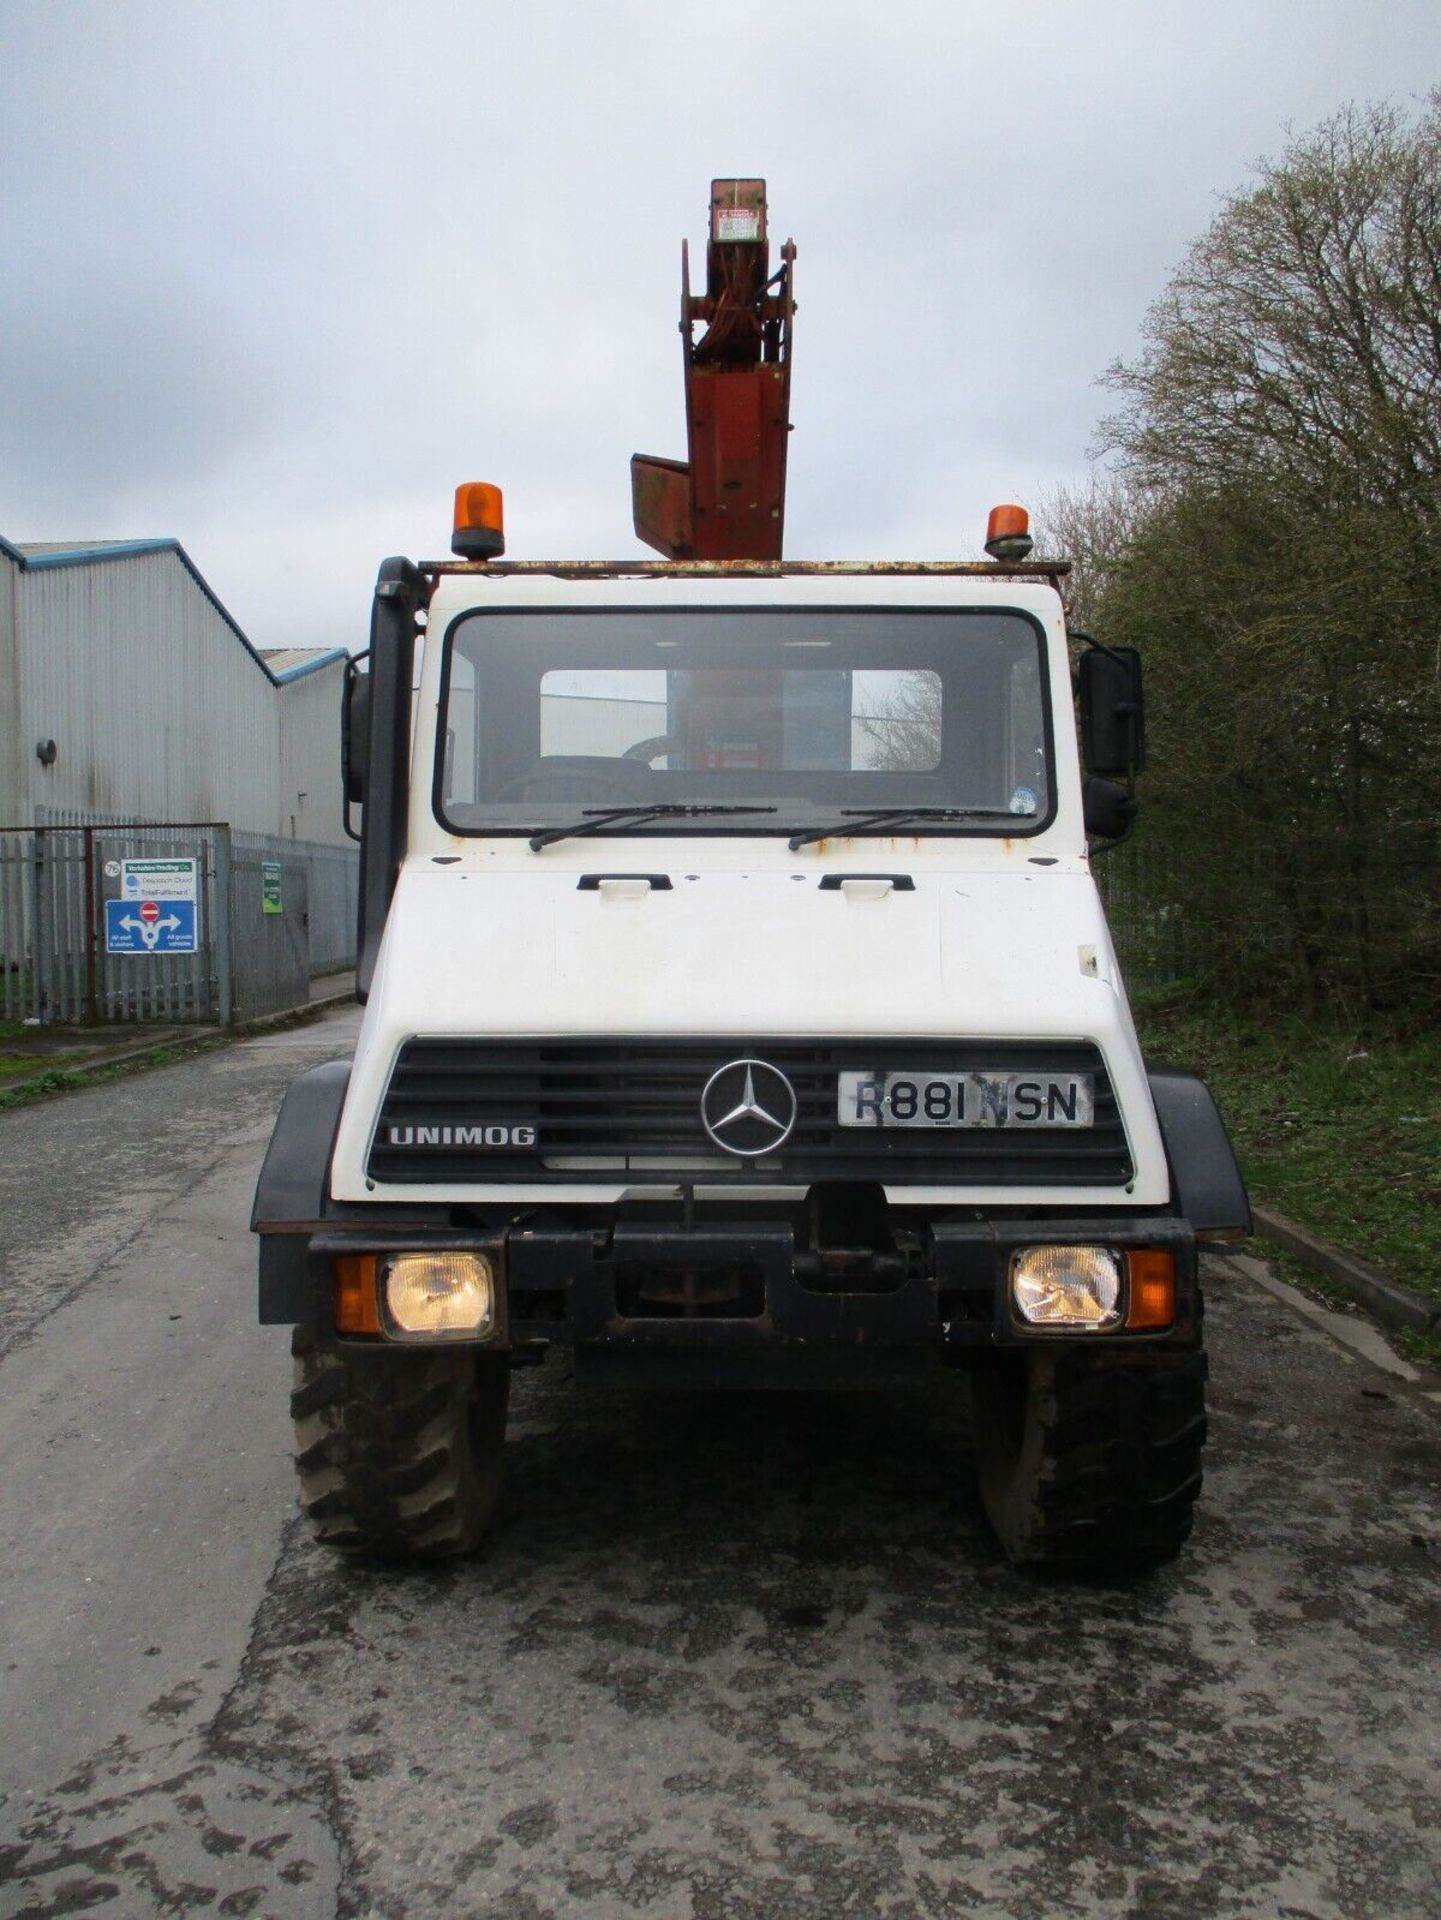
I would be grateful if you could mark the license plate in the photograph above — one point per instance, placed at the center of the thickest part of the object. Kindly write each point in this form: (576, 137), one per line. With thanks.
(913, 1099)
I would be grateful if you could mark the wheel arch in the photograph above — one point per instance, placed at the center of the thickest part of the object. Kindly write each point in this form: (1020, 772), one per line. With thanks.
(1206, 1184)
(293, 1190)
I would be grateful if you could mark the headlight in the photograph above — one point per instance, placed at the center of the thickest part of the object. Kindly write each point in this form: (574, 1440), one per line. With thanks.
(1076, 1287)
(429, 1295)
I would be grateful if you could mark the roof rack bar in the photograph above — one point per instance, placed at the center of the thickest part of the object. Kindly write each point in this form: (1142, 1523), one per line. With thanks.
(759, 569)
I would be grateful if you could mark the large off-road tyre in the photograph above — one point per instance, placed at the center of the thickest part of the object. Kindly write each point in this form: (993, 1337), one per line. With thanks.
(1086, 1465)
(398, 1450)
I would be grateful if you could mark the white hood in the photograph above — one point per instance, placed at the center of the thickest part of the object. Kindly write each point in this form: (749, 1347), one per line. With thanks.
(532, 952)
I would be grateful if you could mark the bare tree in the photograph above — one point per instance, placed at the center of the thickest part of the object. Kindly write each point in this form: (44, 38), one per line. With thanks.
(1275, 551)
(1300, 342)
(904, 734)
(1092, 527)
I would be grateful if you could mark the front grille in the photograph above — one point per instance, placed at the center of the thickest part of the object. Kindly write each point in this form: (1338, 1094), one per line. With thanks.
(607, 1108)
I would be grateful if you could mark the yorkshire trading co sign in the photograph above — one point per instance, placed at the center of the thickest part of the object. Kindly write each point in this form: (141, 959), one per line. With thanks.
(156, 909)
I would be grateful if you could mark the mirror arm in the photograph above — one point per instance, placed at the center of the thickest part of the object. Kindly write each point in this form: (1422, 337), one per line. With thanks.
(1095, 646)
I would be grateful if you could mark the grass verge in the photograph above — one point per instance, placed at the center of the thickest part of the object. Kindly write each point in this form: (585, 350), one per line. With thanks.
(73, 1079)
(1335, 1126)
(20, 1066)
(58, 1079)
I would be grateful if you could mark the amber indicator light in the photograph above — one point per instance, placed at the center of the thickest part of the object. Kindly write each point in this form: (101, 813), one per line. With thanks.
(1151, 1291)
(352, 1288)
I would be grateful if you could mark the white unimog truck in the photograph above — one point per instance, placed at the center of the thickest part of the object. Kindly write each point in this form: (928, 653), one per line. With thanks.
(740, 1011)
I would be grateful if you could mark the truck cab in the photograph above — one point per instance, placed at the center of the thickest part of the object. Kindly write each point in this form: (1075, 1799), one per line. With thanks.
(741, 1011)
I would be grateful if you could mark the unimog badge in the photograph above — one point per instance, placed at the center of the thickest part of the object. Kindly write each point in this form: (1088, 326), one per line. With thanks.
(454, 1136)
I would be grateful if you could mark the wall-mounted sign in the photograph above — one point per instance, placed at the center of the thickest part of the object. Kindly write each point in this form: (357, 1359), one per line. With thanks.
(156, 909)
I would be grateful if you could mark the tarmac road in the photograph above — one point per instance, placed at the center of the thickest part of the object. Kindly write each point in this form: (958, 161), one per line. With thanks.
(725, 1659)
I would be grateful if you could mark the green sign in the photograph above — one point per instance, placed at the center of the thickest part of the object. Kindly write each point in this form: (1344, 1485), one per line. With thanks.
(270, 887)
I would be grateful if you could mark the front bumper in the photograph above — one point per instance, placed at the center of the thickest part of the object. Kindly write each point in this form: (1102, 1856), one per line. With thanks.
(737, 1294)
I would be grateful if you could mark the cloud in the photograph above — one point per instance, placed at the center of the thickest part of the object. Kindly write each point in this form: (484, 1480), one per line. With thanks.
(277, 278)
(120, 376)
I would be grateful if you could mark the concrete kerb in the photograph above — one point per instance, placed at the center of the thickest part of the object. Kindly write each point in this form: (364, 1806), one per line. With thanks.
(1359, 1335)
(177, 1040)
(1391, 1303)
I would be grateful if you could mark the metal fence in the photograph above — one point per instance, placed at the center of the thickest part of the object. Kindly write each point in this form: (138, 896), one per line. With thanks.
(269, 927)
(184, 921)
(1157, 941)
(332, 879)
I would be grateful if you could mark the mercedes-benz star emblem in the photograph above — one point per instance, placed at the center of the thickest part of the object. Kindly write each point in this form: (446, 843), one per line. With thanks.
(748, 1108)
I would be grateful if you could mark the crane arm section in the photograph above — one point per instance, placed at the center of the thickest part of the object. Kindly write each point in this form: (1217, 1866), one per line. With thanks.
(727, 501)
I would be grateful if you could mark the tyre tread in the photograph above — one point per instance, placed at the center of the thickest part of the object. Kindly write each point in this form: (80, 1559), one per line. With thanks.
(1107, 1475)
(398, 1453)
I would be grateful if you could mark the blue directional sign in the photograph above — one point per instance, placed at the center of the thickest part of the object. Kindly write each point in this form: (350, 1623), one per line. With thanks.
(150, 926)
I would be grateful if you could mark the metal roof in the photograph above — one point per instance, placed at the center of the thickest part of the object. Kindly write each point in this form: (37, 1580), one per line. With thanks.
(292, 663)
(40, 555)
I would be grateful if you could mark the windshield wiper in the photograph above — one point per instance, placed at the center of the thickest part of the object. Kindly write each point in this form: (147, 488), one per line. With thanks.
(866, 820)
(597, 819)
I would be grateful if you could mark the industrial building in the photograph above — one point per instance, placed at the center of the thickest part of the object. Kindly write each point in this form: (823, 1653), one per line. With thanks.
(128, 693)
(139, 731)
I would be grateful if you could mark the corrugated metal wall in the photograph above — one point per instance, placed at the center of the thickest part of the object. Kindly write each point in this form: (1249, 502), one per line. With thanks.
(310, 804)
(11, 790)
(158, 709)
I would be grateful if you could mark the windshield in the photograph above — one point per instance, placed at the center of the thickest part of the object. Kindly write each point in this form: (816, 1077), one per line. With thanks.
(780, 719)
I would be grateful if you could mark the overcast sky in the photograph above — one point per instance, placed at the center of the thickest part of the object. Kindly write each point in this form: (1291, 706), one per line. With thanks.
(274, 278)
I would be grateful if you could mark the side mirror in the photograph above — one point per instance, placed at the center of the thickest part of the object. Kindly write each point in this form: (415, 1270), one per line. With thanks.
(355, 731)
(1109, 811)
(1113, 714)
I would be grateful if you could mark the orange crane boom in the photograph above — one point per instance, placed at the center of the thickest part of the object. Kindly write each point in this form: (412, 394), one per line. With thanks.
(727, 501)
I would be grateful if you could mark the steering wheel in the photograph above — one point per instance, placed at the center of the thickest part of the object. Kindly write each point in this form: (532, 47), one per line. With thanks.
(598, 786)
(653, 748)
